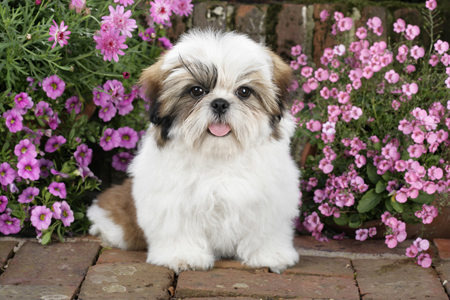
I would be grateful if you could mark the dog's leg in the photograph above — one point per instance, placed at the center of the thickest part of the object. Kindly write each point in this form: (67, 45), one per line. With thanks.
(269, 249)
(181, 252)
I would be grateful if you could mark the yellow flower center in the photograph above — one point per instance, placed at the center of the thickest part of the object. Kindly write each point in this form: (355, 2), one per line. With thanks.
(108, 138)
(19, 99)
(42, 217)
(23, 150)
(65, 214)
(82, 154)
(28, 168)
(8, 222)
(54, 86)
(126, 137)
(56, 145)
(2, 173)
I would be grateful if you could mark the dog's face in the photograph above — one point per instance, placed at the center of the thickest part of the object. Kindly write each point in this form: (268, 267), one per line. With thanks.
(218, 93)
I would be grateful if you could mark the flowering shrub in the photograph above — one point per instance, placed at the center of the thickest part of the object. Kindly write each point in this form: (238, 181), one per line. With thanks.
(58, 59)
(379, 115)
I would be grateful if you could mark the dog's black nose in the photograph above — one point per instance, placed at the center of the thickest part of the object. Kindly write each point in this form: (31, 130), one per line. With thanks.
(220, 106)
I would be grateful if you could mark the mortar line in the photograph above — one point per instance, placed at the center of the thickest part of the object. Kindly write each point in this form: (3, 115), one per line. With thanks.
(356, 280)
(440, 279)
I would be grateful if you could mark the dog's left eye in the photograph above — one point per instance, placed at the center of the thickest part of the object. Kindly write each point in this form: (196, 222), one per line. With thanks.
(197, 91)
(244, 92)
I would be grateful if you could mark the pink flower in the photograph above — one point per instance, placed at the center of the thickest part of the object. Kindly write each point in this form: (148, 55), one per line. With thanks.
(360, 160)
(343, 97)
(9, 225)
(78, 5)
(3, 203)
(339, 50)
(129, 137)
(124, 2)
(325, 165)
(120, 21)
(41, 217)
(83, 155)
(25, 148)
(28, 168)
(321, 74)
(59, 34)
(417, 52)
(28, 195)
(345, 24)
(395, 104)
(54, 143)
(107, 112)
(391, 241)
(121, 160)
(399, 26)
(324, 15)
(53, 86)
(307, 72)
(23, 101)
(161, 11)
(110, 139)
(66, 215)
(183, 7)
(361, 33)
(391, 76)
(312, 83)
(58, 189)
(356, 112)
(110, 43)
(422, 245)
(410, 89)
(415, 150)
(424, 259)
(431, 4)
(313, 125)
(412, 31)
(372, 232)
(296, 50)
(73, 103)
(7, 174)
(433, 60)
(412, 251)
(441, 47)
(361, 234)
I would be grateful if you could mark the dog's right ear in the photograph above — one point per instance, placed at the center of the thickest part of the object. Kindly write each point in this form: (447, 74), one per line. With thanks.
(151, 82)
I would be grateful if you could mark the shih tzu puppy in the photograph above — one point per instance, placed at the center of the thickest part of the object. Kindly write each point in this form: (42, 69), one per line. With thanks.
(213, 177)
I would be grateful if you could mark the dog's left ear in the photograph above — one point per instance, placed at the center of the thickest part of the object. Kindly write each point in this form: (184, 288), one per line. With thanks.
(282, 77)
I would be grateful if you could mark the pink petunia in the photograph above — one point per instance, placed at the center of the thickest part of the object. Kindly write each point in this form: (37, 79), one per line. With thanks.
(323, 15)
(41, 217)
(128, 137)
(54, 143)
(3, 203)
(58, 189)
(110, 139)
(9, 225)
(73, 103)
(28, 195)
(424, 259)
(13, 120)
(107, 112)
(83, 155)
(28, 168)
(361, 234)
(120, 161)
(53, 86)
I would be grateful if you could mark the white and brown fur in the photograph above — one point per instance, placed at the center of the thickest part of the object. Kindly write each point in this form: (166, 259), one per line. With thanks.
(194, 197)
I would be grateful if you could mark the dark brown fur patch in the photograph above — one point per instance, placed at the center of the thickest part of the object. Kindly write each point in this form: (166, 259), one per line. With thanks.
(119, 203)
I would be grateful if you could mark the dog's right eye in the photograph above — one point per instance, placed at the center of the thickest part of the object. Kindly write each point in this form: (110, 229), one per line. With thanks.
(197, 91)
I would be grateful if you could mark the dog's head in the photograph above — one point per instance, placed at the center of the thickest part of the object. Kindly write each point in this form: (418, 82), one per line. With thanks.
(217, 92)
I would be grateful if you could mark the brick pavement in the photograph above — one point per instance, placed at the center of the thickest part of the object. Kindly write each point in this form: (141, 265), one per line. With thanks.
(81, 269)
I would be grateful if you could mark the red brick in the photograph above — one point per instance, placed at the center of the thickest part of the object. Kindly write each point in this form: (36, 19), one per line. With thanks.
(46, 292)
(6, 251)
(350, 248)
(224, 298)
(322, 266)
(115, 255)
(126, 281)
(62, 264)
(290, 30)
(443, 246)
(240, 283)
(250, 19)
(396, 279)
(443, 269)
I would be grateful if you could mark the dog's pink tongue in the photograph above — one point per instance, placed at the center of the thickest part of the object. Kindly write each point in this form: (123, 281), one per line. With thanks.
(219, 129)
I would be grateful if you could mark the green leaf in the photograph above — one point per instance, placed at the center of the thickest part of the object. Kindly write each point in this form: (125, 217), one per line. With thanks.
(432, 160)
(60, 235)
(368, 201)
(396, 205)
(372, 173)
(388, 204)
(381, 186)
(46, 237)
(342, 220)
(78, 215)
(387, 175)
(377, 146)
(423, 198)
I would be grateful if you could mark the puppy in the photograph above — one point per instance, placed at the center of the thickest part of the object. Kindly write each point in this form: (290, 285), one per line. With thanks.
(213, 177)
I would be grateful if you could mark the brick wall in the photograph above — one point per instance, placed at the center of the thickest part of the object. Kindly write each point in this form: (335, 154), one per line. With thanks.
(282, 25)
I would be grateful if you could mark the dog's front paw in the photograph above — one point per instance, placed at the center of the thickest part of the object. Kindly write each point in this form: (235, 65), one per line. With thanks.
(182, 261)
(276, 260)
